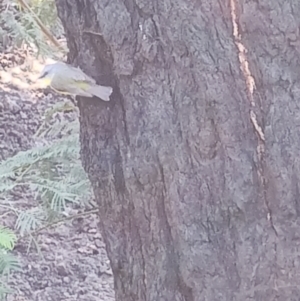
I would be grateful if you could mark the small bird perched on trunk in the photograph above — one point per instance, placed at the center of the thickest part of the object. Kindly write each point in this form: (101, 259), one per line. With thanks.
(66, 79)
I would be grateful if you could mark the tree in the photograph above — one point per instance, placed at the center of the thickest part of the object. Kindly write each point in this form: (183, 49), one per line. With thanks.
(194, 161)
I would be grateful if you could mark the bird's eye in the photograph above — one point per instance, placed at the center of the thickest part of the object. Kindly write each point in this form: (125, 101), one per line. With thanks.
(43, 75)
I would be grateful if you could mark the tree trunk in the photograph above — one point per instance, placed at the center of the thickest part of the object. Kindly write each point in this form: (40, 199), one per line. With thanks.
(195, 169)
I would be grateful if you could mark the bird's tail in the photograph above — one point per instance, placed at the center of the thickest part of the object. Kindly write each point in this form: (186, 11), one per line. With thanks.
(101, 92)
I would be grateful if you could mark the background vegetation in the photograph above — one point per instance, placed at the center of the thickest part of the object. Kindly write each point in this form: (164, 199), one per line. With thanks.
(52, 170)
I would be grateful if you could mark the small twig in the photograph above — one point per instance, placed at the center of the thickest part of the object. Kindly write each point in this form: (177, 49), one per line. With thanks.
(10, 208)
(58, 222)
(4, 214)
(47, 33)
(92, 32)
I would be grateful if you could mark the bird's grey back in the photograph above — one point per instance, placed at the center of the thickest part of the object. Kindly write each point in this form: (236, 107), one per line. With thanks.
(68, 71)
(66, 76)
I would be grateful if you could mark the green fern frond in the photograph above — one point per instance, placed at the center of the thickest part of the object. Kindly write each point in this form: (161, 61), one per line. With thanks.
(30, 220)
(22, 27)
(59, 151)
(4, 291)
(8, 263)
(52, 170)
(7, 238)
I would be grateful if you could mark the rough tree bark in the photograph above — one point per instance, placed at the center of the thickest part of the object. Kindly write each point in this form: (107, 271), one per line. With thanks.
(195, 172)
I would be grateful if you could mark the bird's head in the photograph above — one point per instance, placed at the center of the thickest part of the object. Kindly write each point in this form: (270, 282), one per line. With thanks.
(47, 73)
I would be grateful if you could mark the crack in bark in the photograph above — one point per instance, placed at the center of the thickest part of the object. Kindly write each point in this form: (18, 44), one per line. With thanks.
(127, 137)
(250, 83)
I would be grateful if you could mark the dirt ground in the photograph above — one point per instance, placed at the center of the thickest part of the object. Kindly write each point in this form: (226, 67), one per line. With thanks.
(73, 264)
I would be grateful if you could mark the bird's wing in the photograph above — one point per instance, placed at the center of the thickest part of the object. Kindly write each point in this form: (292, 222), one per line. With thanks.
(79, 75)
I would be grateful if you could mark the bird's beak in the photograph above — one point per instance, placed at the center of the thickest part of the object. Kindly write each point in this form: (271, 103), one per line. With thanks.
(45, 79)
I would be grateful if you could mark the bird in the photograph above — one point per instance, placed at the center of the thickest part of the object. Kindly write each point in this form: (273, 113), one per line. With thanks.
(66, 79)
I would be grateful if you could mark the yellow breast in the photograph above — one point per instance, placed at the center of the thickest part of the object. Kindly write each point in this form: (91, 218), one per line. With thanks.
(46, 81)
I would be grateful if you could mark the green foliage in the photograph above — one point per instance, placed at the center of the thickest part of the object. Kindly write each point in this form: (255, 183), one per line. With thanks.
(8, 262)
(52, 170)
(7, 239)
(22, 27)
(46, 11)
